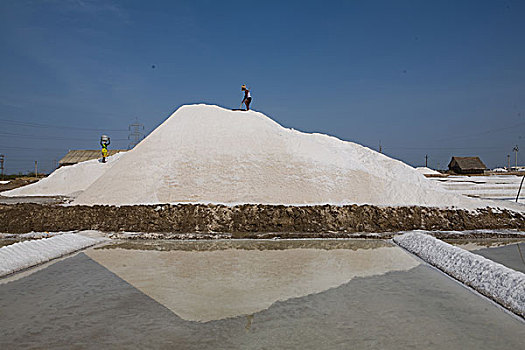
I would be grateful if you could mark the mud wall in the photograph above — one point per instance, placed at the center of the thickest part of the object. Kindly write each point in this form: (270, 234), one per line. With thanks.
(243, 220)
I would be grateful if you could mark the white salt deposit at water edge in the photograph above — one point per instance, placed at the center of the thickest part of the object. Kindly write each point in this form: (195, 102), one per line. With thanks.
(18, 256)
(494, 280)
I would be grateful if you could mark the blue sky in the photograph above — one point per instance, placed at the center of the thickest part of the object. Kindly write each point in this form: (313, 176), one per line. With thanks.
(440, 78)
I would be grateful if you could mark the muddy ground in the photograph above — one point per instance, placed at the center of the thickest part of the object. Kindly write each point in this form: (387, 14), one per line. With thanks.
(250, 221)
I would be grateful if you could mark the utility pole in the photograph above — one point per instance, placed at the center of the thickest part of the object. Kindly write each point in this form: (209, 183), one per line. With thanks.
(508, 162)
(380, 147)
(516, 149)
(135, 135)
(36, 170)
(2, 165)
(426, 160)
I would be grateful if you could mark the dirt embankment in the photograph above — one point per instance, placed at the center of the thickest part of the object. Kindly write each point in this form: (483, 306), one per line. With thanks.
(250, 220)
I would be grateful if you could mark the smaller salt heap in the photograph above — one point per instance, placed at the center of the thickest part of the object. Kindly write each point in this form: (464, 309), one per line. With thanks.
(208, 154)
(427, 171)
(67, 180)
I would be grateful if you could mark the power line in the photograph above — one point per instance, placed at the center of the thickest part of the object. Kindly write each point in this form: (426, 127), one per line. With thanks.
(2, 157)
(516, 150)
(32, 149)
(436, 151)
(438, 148)
(12, 134)
(39, 125)
(22, 160)
(135, 134)
(481, 132)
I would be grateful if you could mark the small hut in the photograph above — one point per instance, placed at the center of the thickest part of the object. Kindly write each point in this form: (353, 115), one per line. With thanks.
(466, 165)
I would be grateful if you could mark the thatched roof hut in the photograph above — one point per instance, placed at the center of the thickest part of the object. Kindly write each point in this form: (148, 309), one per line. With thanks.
(466, 165)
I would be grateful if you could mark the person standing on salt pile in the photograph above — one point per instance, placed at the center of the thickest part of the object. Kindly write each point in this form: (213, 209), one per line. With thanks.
(247, 97)
(104, 142)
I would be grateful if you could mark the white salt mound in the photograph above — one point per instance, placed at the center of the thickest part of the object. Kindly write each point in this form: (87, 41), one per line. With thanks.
(208, 154)
(66, 180)
(494, 280)
(427, 171)
(18, 256)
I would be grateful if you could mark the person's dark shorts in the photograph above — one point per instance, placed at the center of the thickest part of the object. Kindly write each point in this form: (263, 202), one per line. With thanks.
(248, 100)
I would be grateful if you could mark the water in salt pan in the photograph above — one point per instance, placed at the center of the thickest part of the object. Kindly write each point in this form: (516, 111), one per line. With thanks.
(228, 279)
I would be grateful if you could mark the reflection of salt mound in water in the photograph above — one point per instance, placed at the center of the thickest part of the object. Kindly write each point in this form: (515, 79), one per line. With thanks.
(209, 154)
(213, 285)
(66, 180)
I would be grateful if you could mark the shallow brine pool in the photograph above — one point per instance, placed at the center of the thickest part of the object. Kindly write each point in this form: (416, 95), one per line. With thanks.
(294, 294)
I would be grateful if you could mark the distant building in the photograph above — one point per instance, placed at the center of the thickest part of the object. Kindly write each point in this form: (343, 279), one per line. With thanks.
(77, 156)
(467, 165)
